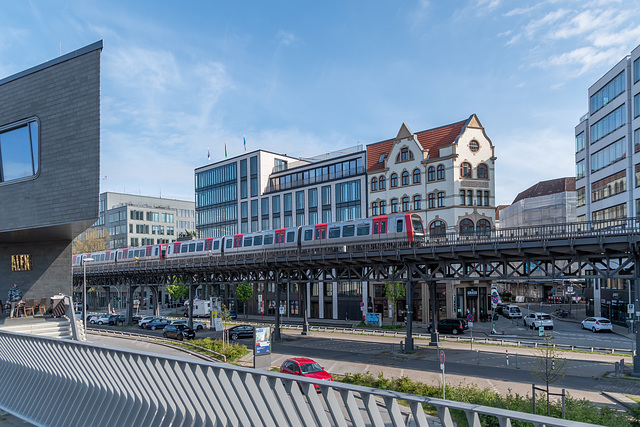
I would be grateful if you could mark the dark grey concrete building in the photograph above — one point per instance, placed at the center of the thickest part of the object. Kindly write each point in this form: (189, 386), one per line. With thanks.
(49, 169)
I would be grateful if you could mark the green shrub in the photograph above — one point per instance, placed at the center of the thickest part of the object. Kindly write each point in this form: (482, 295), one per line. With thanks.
(232, 351)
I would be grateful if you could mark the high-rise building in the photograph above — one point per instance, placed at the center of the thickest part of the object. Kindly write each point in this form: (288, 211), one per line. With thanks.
(607, 145)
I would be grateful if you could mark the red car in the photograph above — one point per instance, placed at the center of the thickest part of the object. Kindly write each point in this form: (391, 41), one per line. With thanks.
(306, 368)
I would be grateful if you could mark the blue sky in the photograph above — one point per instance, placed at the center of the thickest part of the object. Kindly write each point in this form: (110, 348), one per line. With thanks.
(302, 78)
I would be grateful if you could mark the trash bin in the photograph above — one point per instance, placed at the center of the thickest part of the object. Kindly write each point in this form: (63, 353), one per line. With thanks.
(57, 306)
(495, 316)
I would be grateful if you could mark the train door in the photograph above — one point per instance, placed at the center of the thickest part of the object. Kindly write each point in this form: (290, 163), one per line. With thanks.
(163, 250)
(237, 241)
(280, 236)
(380, 225)
(321, 232)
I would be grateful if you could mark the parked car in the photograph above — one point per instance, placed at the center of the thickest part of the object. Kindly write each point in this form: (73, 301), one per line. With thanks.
(146, 319)
(535, 320)
(198, 326)
(100, 319)
(232, 315)
(135, 318)
(116, 319)
(451, 326)
(240, 331)
(157, 324)
(92, 318)
(178, 331)
(500, 307)
(512, 312)
(597, 324)
(305, 368)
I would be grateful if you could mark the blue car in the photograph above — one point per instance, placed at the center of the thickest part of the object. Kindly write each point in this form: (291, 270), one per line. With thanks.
(233, 315)
(158, 324)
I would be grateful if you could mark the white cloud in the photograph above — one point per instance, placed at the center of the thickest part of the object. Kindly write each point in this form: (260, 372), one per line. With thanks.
(286, 38)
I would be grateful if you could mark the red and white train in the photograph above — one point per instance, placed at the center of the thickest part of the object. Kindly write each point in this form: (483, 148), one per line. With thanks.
(406, 227)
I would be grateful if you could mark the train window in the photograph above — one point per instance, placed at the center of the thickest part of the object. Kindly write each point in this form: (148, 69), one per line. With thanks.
(363, 230)
(199, 247)
(268, 239)
(257, 241)
(248, 241)
(308, 235)
(383, 227)
(192, 247)
(140, 253)
(119, 255)
(348, 230)
(216, 245)
(399, 226)
(229, 243)
(155, 253)
(375, 228)
(130, 254)
(291, 236)
(334, 232)
(185, 248)
(417, 225)
(112, 256)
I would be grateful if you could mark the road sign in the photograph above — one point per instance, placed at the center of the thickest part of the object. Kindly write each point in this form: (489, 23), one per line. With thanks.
(630, 308)
(361, 303)
(494, 301)
(470, 318)
(442, 357)
(569, 289)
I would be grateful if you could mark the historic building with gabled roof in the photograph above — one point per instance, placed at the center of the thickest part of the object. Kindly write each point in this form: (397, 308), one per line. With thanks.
(446, 174)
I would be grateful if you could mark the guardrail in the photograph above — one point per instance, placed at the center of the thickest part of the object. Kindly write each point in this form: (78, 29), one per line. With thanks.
(67, 383)
(458, 338)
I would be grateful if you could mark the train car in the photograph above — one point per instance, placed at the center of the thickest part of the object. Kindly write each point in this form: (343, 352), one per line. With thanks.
(208, 246)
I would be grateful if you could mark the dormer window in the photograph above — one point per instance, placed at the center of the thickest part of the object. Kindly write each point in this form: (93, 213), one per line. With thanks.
(404, 155)
(381, 159)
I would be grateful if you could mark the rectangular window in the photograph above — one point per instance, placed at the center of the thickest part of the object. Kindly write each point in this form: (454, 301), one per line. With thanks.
(469, 197)
(276, 222)
(612, 121)
(614, 212)
(383, 208)
(299, 219)
(243, 168)
(313, 197)
(254, 165)
(479, 198)
(299, 200)
(254, 187)
(326, 215)
(254, 208)
(580, 169)
(275, 204)
(326, 195)
(19, 148)
(243, 210)
(609, 186)
(288, 220)
(313, 218)
(243, 188)
(580, 197)
(608, 155)
(636, 70)
(348, 231)
(486, 198)
(265, 206)
(463, 195)
(636, 140)
(334, 232)
(265, 224)
(608, 93)
(580, 142)
(636, 105)
(287, 202)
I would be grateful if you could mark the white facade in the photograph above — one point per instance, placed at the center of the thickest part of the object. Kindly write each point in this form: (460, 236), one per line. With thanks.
(608, 145)
(446, 174)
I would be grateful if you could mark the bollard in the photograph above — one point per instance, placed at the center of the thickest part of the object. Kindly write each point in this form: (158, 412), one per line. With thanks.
(516, 360)
(507, 357)
(553, 363)
(617, 369)
(478, 354)
(622, 367)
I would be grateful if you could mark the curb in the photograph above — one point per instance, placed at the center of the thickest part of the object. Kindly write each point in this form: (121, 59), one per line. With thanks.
(620, 399)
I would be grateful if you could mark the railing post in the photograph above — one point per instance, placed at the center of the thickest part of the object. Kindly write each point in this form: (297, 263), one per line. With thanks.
(409, 311)
(533, 396)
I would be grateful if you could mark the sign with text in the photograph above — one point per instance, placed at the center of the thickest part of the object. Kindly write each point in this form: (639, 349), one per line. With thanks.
(263, 340)
(21, 262)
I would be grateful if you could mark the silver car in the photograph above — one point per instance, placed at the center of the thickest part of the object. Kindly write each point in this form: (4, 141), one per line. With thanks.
(597, 324)
(535, 320)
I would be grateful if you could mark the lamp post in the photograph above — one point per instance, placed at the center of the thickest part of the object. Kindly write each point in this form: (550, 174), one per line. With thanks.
(84, 293)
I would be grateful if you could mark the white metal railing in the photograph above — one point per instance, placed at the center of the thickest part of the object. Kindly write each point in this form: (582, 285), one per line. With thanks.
(67, 383)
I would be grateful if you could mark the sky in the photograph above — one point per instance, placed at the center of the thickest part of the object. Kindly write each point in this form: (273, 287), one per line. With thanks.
(179, 79)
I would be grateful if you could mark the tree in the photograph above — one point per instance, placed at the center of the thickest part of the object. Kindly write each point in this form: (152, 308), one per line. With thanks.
(244, 292)
(393, 292)
(547, 364)
(177, 291)
(92, 240)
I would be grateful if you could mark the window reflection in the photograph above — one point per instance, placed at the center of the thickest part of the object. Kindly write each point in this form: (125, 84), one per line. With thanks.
(19, 150)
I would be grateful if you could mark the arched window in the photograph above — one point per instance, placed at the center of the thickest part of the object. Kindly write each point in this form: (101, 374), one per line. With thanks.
(374, 184)
(437, 228)
(417, 203)
(431, 173)
(394, 205)
(383, 208)
(466, 226)
(440, 171)
(483, 171)
(405, 178)
(405, 204)
(432, 201)
(441, 199)
(416, 176)
(465, 170)
(383, 182)
(483, 228)
(374, 208)
(404, 155)
(394, 180)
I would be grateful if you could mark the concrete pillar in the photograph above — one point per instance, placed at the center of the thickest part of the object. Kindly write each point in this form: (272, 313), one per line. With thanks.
(409, 312)
(334, 301)
(321, 300)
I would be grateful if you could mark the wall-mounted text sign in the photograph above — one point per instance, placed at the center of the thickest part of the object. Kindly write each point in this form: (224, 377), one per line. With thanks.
(21, 262)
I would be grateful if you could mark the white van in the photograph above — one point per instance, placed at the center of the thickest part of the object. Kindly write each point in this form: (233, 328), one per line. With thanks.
(512, 312)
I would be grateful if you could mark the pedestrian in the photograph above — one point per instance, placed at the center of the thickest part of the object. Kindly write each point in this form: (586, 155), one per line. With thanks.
(14, 296)
(113, 310)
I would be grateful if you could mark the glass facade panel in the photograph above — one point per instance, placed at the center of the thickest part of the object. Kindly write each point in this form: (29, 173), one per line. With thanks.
(254, 208)
(299, 200)
(287, 202)
(609, 186)
(243, 168)
(275, 204)
(610, 154)
(19, 150)
(636, 140)
(348, 200)
(326, 195)
(608, 124)
(580, 169)
(313, 218)
(610, 91)
(264, 206)
(580, 142)
(254, 187)
(313, 197)
(614, 212)
(636, 70)
(580, 197)
(636, 105)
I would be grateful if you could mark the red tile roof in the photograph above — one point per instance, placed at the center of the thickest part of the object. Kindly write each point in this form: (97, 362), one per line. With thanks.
(432, 140)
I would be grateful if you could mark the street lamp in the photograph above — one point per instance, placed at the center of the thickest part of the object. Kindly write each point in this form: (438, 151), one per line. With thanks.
(84, 294)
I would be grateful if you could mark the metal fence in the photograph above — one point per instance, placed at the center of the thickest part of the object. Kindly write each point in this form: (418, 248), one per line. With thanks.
(51, 382)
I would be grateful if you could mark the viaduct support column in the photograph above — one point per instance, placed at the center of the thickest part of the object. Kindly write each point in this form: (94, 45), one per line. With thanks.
(408, 347)
(130, 291)
(276, 329)
(434, 313)
(636, 308)
(190, 285)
